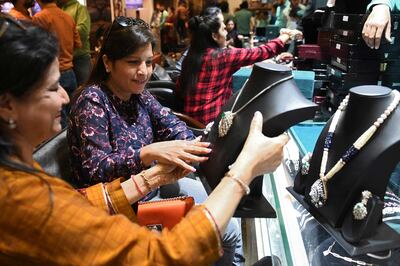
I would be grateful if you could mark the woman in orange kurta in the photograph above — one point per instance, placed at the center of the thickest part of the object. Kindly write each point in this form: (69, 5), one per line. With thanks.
(44, 221)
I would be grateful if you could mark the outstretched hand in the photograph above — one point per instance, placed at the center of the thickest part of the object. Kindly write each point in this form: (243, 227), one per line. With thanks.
(180, 153)
(377, 22)
(260, 154)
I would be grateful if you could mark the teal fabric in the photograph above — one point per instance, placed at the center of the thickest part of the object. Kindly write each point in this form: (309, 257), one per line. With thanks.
(306, 135)
(393, 4)
(242, 20)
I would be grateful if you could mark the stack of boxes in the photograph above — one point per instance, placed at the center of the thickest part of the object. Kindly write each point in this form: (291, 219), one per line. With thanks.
(353, 63)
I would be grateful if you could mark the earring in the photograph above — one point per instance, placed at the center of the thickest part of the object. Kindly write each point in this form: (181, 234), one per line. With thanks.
(107, 70)
(360, 209)
(11, 124)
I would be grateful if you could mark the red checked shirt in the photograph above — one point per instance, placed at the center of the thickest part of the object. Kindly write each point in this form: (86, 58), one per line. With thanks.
(214, 85)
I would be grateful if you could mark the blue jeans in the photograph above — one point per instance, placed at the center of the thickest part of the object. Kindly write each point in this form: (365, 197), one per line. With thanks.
(68, 82)
(82, 68)
(232, 239)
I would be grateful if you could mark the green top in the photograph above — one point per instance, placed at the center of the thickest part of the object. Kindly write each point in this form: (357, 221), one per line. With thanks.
(81, 18)
(393, 4)
(242, 20)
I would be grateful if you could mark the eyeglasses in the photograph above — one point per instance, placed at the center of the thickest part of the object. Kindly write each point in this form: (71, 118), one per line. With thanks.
(7, 19)
(125, 22)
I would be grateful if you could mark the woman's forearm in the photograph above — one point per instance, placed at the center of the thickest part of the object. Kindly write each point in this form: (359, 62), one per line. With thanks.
(139, 185)
(224, 199)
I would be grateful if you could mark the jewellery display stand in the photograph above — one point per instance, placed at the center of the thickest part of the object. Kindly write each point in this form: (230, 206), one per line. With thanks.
(369, 169)
(282, 106)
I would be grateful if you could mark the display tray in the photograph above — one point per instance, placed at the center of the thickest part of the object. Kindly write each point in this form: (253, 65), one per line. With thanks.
(385, 237)
(353, 51)
(341, 80)
(355, 65)
(355, 22)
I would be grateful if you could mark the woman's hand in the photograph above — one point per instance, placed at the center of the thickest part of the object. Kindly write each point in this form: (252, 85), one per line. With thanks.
(287, 35)
(377, 23)
(180, 153)
(162, 174)
(260, 154)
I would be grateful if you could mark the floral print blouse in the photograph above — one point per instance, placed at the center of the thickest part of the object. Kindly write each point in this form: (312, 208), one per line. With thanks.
(105, 134)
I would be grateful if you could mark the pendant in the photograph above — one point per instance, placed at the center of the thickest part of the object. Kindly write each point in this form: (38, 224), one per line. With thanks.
(359, 211)
(319, 193)
(225, 123)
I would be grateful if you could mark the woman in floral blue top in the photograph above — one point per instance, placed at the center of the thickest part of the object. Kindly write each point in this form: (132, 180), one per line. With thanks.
(116, 128)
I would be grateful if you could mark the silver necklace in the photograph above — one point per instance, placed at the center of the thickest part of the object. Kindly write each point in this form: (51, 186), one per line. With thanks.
(227, 117)
(319, 189)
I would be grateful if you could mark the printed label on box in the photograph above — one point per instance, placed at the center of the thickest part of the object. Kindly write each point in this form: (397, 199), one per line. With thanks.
(346, 18)
(345, 33)
(338, 46)
(338, 60)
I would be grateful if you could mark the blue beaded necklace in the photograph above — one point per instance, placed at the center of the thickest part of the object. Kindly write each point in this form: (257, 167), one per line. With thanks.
(319, 189)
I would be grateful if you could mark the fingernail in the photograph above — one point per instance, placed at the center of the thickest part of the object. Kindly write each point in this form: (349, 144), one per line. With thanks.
(257, 113)
(193, 169)
(209, 150)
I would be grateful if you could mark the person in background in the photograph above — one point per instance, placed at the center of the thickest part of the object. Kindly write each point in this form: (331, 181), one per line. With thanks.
(206, 78)
(261, 19)
(116, 128)
(169, 35)
(378, 22)
(281, 19)
(20, 10)
(82, 58)
(243, 19)
(232, 37)
(44, 221)
(53, 19)
(182, 14)
(224, 6)
(294, 12)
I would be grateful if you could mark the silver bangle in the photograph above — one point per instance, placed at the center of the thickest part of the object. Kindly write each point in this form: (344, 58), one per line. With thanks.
(245, 187)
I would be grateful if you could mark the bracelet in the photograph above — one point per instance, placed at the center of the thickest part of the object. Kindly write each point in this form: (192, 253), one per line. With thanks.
(245, 187)
(145, 180)
(137, 186)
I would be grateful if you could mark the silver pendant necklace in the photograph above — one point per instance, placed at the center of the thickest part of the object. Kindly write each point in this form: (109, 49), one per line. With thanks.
(227, 117)
(319, 189)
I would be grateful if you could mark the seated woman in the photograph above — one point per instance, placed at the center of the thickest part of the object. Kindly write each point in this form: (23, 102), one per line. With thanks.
(117, 128)
(206, 77)
(44, 221)
(232, 37)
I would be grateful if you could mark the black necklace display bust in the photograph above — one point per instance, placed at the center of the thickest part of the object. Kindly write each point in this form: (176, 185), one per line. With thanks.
(368, 170)
(371, 168)
(282, 106)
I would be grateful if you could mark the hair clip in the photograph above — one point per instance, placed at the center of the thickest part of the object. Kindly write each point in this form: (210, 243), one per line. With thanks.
(360, 209)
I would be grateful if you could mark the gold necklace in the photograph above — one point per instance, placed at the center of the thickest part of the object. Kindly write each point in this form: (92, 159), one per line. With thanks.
(227, 117)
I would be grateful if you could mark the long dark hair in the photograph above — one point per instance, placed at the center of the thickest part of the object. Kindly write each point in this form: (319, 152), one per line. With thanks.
(26, 54)
(120, 41)
(202, 28)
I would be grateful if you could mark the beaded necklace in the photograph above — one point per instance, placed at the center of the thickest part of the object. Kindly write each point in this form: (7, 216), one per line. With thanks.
(319, 189)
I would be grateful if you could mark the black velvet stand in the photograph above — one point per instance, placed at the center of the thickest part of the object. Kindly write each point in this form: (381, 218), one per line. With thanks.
(282, 107)
(369, 170)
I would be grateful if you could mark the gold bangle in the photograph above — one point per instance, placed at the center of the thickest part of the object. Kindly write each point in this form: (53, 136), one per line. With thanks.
(232, 176)
(145, 180)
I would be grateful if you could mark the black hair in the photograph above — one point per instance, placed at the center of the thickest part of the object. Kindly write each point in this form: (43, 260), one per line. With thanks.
(224, 6)
(202, 28)
(119, 42)
(26, 54)
(244, 5)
